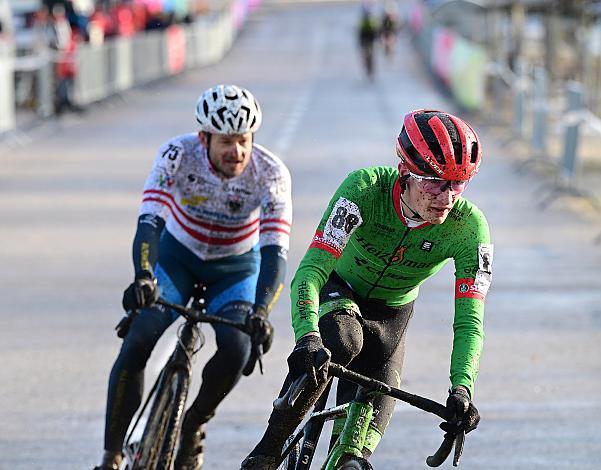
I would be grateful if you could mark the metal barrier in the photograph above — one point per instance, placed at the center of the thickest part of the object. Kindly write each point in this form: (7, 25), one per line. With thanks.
(530, 103)
(7, 88)
(119, 63)
(122, 63)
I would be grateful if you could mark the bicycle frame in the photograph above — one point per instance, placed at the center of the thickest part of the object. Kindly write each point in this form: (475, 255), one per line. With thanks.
(178, 371)
(352, 439)
(358, 417)
(180, 359)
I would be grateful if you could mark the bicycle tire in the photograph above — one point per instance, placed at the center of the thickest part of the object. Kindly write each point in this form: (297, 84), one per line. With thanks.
(289, 462)
(355, 463)
(157, 446)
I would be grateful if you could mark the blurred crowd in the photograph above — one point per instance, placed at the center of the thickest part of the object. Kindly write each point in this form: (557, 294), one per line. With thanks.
(62, 25)
(64, 19)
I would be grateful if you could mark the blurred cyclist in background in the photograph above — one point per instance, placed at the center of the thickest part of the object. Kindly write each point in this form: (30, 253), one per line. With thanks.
(385, 231)
(389, 29)
(367, 36)
(216, 210)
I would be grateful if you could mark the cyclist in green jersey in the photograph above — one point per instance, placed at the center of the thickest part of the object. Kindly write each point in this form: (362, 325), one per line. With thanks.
(386, 231)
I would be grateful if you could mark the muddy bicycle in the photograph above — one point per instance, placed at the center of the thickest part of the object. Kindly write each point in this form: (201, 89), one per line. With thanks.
(346, 452)
(157, 446)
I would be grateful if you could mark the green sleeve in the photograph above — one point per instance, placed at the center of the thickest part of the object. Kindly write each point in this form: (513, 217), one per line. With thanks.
(473, 262)
(341, 218)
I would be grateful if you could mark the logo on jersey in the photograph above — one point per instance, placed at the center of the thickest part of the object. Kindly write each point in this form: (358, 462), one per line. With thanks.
(193, 200)
(165, 181)
(467, 288)
(399, 255)
(427, 245)
(235, 203)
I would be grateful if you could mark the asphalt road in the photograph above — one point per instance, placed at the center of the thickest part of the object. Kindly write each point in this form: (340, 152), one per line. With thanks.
(68, 205)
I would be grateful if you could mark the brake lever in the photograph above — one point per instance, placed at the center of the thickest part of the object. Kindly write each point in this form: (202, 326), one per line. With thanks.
(259, 352)
(459, 443)
(288, 400)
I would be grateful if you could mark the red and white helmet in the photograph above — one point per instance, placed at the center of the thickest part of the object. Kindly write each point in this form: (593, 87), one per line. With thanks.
(438, 144)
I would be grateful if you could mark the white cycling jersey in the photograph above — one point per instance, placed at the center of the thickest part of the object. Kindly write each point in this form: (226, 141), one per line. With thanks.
(216, 217)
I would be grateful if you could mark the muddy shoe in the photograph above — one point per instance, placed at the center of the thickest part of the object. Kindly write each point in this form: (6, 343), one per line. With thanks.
(260, 462)
(190, 455)
(110, 461)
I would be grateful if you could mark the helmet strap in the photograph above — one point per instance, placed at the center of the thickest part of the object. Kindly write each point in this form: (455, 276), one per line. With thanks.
(414, 215)
(403, 181)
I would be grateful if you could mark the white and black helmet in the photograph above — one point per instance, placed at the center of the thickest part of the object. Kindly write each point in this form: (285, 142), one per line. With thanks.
(228, 109)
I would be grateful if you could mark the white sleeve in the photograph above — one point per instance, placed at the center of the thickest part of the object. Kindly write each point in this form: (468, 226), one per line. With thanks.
(160, 182)
(276, 209)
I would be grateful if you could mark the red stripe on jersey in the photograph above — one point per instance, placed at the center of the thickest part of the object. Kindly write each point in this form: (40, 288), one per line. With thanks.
(276, 221)
(275, 229)
(207, 225)
(199, 236)
(319, 243)
(466, 288)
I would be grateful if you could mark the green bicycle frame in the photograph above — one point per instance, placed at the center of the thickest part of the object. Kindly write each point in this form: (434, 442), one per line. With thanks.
(352, 439)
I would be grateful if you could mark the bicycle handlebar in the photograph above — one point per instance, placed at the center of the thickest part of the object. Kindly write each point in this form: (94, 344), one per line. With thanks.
(376, 386)
(194, 315)
(198, 316)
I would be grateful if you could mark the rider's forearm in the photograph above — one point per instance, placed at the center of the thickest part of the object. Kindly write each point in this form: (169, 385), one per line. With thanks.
(145, 249)
(271, 276)
(467, 343)
(310, 277)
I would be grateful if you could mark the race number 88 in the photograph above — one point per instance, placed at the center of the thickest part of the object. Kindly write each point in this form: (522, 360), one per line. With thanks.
(343, 220)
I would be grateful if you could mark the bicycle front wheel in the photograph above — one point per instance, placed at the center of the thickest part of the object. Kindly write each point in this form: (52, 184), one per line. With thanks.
(355, 463)
(157, 447)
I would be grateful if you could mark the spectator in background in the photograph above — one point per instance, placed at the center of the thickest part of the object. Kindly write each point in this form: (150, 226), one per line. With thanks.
(77, 20)
(64, 41)
(100, 26)
(140, 15)
(123, 19)
(389, 28)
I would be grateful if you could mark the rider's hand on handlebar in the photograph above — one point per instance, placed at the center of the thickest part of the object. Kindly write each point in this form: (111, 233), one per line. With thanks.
(261, 335)
(310, 356)
(143, 292)
(259, 327)
(464, 415)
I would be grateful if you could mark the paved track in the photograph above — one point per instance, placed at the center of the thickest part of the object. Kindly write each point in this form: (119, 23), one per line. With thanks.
(69, 202)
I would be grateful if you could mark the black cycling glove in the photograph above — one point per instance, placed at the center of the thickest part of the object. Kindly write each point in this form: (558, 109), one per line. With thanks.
(463, 415)
(143, 292)
(261, 334)
(310, 356)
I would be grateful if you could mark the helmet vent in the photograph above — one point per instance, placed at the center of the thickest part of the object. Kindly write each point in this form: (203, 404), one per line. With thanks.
(216, 125)
(413, 154)
(429, 136)
(474, 156)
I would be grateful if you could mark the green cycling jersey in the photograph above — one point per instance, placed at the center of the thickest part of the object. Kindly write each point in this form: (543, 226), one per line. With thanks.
(364, 236)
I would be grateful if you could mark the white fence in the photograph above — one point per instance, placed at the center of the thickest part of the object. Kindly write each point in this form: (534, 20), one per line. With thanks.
(122, 63)
(7, 88)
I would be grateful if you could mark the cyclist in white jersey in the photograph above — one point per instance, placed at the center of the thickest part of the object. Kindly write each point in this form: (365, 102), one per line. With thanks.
(216, 210)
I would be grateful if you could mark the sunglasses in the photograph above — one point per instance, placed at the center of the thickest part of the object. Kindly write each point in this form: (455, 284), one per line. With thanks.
(436, 186)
